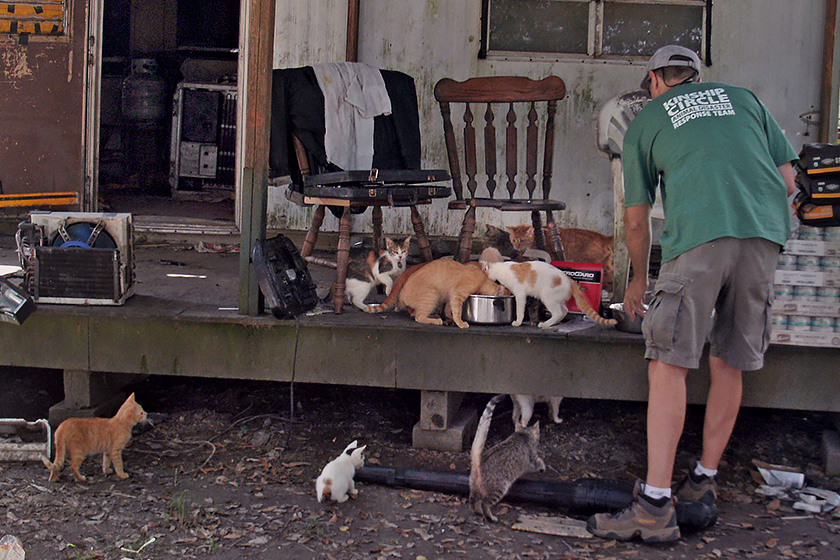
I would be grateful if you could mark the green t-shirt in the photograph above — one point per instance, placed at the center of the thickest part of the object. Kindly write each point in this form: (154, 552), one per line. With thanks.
(714, 150)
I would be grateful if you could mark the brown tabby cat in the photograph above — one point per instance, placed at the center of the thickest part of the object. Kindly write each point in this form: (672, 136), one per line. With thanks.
(494, 471)
(444, 282)
(579, 245)
(80, 437)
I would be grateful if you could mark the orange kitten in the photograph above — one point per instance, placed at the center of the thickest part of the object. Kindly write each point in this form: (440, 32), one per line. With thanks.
(444, 283)
(80, 437)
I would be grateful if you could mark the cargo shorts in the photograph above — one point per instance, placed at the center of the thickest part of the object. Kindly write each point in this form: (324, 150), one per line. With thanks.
(719, 292)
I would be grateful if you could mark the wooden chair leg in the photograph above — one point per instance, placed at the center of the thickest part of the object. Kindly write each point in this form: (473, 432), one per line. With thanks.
(553, 244)
(342, 259)
(312, 234)
(420, 234)
(467, 231)
(539, 235)
(376, 221)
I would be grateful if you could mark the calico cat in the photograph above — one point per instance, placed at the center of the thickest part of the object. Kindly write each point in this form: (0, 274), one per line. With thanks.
(579, 245)
(363, 274)
(444, 282)
(336, 480)
(546, 282)
(494, 471)
(80, 437)
(523, 408)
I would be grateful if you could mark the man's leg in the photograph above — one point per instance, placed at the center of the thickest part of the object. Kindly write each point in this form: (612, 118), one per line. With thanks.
(722, 407)
(665, 420)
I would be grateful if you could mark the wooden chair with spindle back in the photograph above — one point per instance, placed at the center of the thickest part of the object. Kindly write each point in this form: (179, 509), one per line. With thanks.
(538, 101)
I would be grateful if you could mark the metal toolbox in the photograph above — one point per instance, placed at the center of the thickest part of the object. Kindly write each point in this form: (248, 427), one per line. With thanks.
(400, 187)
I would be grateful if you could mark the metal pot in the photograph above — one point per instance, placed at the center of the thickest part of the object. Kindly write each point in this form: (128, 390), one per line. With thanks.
(624, 323)
(489, 310)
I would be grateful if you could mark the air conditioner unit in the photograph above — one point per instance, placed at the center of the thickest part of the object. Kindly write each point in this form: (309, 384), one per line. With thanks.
(81, 258)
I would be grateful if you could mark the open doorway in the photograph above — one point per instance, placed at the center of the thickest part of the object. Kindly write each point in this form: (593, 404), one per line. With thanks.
(168, 108)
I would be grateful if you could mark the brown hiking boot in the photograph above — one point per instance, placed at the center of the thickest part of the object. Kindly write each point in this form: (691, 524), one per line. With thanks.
(652, 522)
(697, 488)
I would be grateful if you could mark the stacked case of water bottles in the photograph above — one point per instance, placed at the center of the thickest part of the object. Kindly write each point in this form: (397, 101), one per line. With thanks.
(806, 310)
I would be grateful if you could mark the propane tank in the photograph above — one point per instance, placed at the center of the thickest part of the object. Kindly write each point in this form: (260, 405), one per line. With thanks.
(143, 92)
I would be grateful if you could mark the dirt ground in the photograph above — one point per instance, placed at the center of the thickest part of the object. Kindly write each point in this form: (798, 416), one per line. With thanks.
(227, 472)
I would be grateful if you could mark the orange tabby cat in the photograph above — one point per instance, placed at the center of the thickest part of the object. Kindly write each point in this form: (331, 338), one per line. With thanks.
(80, 437)
(444, 282)
(579, 245)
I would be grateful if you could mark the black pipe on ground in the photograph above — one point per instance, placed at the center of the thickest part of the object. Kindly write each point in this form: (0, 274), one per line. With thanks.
(584, 496)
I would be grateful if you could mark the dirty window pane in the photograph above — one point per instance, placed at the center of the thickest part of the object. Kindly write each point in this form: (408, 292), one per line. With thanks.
(550, 26)
(616, 28)
(37, 17)
(639, 29)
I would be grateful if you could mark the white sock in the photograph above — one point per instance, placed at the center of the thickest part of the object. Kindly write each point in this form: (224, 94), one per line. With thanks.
(656, 493)
(701, 470)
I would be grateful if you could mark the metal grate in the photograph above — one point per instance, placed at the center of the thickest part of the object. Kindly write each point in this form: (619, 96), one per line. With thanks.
(226, 170)
(78, 273)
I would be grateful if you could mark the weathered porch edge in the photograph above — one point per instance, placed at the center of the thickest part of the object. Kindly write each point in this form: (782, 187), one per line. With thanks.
(161, 338)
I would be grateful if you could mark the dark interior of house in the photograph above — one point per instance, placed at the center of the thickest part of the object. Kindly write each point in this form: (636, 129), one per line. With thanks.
(168, 107)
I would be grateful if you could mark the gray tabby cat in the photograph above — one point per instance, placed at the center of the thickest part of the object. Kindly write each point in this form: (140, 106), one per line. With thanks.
(494, 471)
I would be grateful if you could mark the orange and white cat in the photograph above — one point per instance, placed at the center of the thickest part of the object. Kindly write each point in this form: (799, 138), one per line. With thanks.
(80, 437)
(579, 245)
(444, 283)
(543, 281)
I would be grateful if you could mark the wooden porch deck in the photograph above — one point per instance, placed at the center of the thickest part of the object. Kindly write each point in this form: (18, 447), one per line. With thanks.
(180, 324)
(183, 320)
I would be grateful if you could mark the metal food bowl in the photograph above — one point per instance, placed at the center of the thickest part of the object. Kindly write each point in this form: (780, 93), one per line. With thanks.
(489, 310)
(624, 323)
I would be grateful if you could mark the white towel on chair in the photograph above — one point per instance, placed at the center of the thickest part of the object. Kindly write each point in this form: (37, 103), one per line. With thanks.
(354, 93)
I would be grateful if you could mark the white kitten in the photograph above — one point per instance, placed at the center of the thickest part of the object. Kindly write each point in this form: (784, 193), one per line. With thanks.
(523, 408)
(336, 480)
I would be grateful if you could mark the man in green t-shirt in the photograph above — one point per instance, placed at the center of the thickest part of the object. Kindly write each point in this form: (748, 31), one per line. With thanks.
(723, 169)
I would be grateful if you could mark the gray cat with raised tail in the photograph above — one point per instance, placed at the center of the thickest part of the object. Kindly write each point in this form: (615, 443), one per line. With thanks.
(494, 471)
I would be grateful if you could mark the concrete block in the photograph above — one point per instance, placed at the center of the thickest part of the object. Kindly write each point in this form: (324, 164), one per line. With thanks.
(84, 389)
(831, 452)
(438, 409)
(454, 438)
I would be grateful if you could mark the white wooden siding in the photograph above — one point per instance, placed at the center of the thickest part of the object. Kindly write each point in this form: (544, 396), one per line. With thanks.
(773, 47)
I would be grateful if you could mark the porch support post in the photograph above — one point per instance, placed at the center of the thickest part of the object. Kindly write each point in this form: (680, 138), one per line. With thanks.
(256, 105)
(444, 425)
(831, 66)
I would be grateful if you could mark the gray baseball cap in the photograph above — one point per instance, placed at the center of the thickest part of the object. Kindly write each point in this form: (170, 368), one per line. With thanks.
(671, 55)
